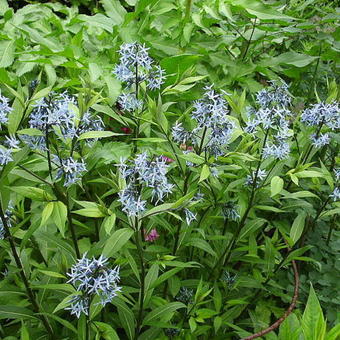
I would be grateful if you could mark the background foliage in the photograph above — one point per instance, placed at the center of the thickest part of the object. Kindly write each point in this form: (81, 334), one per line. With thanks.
(239, 46)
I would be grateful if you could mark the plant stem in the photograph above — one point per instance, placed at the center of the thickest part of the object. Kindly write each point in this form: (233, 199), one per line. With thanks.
(34, 175)
(29, 291)
(249, 41)
(188, 6)
(227, 253)
(331, 227)
(142, 279)
(71, 226)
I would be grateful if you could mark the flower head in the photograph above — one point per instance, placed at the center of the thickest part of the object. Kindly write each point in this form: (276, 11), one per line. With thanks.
(92, 277)
(5, 109)
(71, 169)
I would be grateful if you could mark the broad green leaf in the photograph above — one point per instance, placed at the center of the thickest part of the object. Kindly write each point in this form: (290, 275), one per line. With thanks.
(35, 194)
(313, 322)
(59, 216)
(106, 331)
(276, 185)
(205, 173)
(95, 71)
(297, 227)
(114, 10)
(30, 132)
(45, 215)
(116, 241)
(109, 223)
(290, 328)
(7, 48)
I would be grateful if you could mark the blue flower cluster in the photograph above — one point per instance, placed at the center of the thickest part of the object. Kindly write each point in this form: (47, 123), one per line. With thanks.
(5, 109)
(142, 172)
(189, 216)
(335, 195)
(230, 212)
(261, 175)
(6, 152)
(57, 113)
(212, 115)
(136, 66)
(272, 116)
(8, 215)
(71, 169)
(92, 278)
(322, 115)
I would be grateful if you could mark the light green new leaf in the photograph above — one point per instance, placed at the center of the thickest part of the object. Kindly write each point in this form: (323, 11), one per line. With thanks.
(33, 193)
(276, 185)
(98, 134)
(7, 48)
(205, 173)
(114, 10)
(313, 323)
(95, 71)
(47, 213)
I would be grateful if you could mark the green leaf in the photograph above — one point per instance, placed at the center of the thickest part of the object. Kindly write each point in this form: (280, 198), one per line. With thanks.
(109, 223)
(59, 216)
(30, 132)
(258, 9)
(165, 276)
(313, 322)
(62, 321)
(297, 227)
(15, 312)
(95, 71)
(7, 48)
(334, 333)
(276, 185)
(290, 329)
(92, 210)
(47, 213)
(192, 157)
(25, 335)
(114, 10)
(292, 58)
(202, 244)
(126, 317)
(52, 274)
(35, 194)
(159, 209)
(116, 241)
(98, 134)
(205, 173)
(106, 331)
(159, 312)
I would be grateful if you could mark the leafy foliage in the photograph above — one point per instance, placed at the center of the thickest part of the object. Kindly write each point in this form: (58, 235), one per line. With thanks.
(163, 163)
